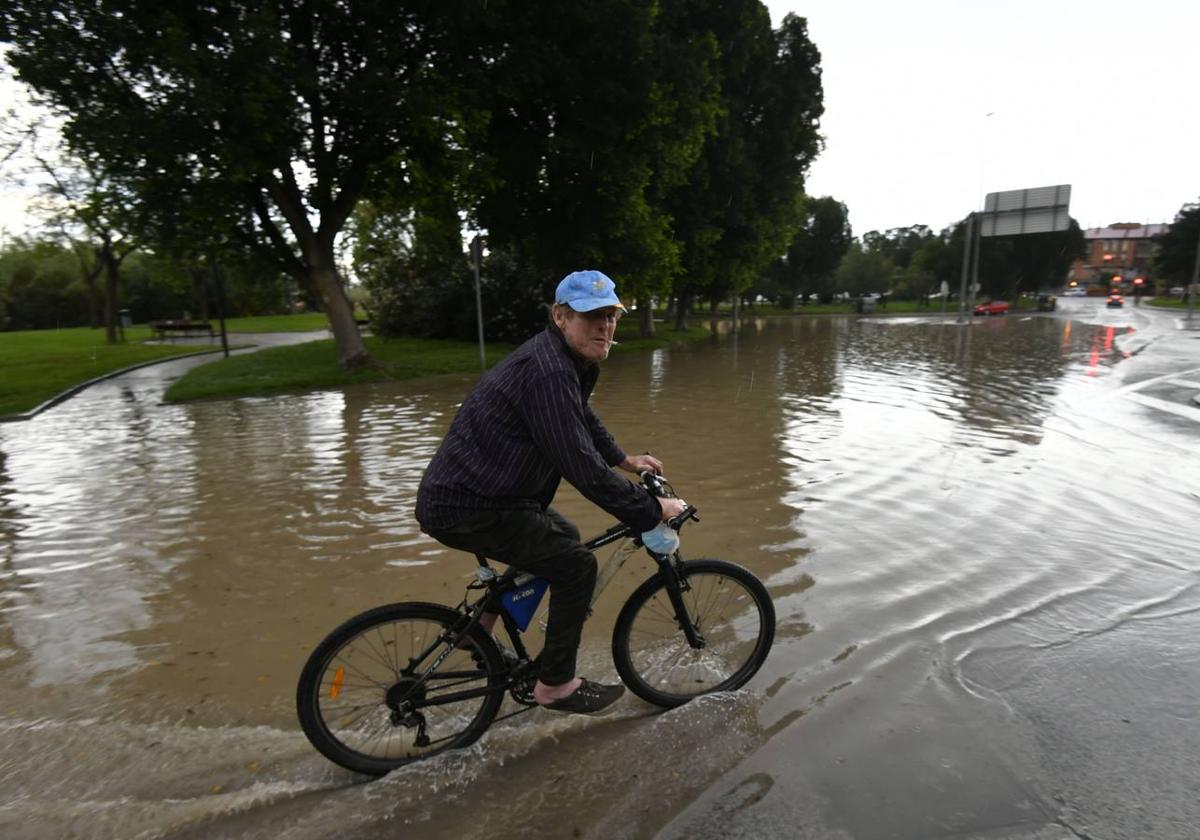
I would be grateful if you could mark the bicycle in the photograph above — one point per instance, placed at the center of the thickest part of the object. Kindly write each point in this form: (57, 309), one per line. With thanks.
(406, 681)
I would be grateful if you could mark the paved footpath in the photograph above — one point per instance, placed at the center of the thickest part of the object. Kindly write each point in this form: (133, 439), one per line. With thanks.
(150, 379)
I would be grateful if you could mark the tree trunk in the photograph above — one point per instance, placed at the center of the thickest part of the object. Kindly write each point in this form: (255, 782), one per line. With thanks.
(112, 270)
(683, 305)
(89, 274)
(93, 296)
(200, 291)
(348, 343)
(645, 317)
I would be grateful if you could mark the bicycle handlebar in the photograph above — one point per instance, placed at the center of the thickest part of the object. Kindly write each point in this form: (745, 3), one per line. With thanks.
(657, 485)
(688, 513)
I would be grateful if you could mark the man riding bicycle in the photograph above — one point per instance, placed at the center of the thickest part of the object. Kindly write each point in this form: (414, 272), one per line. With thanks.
(525, 426)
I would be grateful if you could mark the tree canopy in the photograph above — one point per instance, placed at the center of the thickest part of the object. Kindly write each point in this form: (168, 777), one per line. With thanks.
(1177, 247)
(271, 119)
(816, 249)
(664, 143)
(742, 202)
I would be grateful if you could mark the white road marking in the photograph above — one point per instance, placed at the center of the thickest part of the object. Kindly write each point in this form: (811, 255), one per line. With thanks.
(1164, 405)
(1137, 386)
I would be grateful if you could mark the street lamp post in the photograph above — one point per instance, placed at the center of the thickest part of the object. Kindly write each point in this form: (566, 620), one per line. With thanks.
(963, 312)
(476, 258)
(1194, 287)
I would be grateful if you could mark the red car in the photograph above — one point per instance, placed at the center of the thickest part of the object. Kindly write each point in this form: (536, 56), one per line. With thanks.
(992, 307)
(1115, 300)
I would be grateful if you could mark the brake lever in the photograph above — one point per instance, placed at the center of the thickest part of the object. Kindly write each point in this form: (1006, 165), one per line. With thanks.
(688, 513)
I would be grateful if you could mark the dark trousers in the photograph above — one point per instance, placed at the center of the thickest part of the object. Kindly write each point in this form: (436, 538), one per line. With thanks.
(546, 544)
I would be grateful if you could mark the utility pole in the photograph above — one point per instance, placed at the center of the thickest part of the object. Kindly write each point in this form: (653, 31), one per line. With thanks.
(477, 256)
(966, 269)
(219, 288)
(1194, 287)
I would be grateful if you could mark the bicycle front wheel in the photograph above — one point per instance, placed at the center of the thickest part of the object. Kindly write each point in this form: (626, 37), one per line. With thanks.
(371, 699)
(733, 617)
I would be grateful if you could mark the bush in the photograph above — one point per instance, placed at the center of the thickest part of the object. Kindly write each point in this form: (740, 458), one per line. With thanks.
(439, 302)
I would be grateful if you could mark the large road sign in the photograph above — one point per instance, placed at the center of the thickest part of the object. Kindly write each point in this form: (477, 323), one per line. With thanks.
(1035, 210)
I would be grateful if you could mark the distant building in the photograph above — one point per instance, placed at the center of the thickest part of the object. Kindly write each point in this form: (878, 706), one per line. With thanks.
(1123, 250)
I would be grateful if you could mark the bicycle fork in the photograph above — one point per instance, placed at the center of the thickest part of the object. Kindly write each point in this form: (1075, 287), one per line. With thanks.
(676, 586)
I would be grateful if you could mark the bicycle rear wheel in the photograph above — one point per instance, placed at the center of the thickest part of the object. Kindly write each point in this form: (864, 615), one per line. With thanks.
(367, 699)
(731, 611)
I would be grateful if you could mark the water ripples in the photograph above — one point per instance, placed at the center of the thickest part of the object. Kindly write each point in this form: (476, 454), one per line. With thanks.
(903, 487)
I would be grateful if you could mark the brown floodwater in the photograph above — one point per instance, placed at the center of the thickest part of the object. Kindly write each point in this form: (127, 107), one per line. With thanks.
(981, 542)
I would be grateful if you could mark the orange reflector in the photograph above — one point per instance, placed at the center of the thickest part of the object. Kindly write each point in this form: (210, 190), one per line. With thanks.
(339, 677)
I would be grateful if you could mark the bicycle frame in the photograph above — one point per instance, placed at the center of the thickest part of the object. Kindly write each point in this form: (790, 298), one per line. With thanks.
(498, 585)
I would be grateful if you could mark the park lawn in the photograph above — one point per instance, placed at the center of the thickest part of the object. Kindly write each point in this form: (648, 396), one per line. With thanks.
(311, 365)
(629, 341)
(1171, 302)
(300, 322)
(36, 365)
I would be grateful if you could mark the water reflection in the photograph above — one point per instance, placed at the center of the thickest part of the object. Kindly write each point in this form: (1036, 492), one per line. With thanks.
(10, 524)
(179, 562)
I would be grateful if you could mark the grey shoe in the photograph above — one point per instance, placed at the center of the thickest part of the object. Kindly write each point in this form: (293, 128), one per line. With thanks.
(589, 698)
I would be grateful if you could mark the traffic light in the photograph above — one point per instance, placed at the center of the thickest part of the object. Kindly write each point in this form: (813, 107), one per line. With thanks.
(1137, 281)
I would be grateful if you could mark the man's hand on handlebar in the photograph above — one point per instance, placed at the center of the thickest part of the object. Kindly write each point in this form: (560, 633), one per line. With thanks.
(672, 508)
(642, 463)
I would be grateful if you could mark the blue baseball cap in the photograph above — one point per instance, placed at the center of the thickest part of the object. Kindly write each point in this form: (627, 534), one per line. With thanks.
(584, 291)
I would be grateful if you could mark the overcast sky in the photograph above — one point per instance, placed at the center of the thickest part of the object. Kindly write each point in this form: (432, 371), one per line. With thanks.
(930, 104)
(1101, 95)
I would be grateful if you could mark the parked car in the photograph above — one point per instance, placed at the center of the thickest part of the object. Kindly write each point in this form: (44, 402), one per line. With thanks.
(1115, 301)
(992, 307)
(1046, 303)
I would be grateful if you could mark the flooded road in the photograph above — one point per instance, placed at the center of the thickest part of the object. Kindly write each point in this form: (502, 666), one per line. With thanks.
(982, 543)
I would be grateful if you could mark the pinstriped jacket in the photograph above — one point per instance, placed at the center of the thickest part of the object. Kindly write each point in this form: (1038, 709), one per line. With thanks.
(522, 429)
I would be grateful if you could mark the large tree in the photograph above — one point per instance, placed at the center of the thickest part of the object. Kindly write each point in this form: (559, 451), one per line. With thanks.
(742, 200)
(596, 112)
(1175, 260)
(863, 271)
(816, 249)
(39, 286)
(274, 118)
(92, 212)
(898, 244)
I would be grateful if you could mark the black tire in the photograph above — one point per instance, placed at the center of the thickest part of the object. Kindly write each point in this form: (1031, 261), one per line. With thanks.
(346, 686)
(734, 614)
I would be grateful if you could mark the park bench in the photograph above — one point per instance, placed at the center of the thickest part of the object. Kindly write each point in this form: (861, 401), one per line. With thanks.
(176, 328)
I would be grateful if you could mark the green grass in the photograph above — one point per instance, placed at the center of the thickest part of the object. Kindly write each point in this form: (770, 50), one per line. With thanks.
(300, 322)
(1170, 302)
(629, 341)
(35, 365)
(311, 365)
